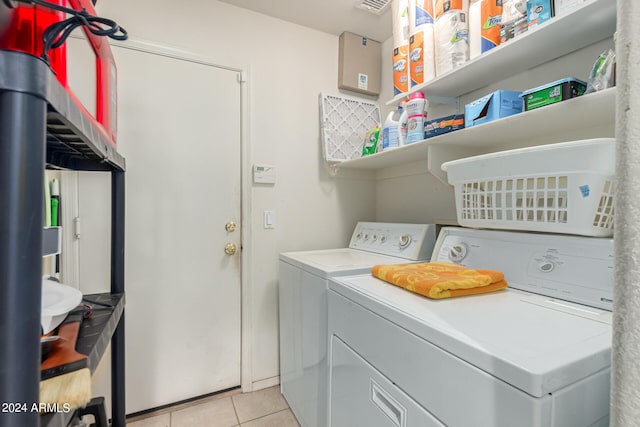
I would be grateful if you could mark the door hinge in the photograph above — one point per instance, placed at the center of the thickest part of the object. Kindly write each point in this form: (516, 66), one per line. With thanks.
(242, 77)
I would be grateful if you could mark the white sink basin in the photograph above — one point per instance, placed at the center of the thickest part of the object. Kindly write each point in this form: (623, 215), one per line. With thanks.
(57, 301)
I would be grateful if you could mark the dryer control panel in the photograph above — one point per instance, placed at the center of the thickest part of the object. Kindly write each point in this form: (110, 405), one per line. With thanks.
(411, 241)
(572, 268)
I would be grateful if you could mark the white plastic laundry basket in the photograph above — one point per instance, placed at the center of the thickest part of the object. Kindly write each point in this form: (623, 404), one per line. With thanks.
(558, 188)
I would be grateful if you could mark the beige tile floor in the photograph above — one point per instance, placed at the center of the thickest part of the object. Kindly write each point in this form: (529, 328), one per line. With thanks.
(262, 408)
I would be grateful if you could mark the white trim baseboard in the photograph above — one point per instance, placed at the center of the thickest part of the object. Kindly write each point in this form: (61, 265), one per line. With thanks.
(265, 383)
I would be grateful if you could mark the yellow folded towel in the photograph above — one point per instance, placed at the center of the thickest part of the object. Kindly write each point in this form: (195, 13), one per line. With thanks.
(440, 279)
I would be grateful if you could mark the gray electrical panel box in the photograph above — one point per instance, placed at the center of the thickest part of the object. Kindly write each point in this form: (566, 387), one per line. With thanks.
(359, 64)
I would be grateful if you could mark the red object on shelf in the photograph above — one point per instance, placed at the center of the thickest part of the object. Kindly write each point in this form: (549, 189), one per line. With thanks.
(24, 33)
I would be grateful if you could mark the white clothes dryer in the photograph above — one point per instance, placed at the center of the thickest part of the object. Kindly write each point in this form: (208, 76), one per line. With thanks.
(303, 284)
(534, 355)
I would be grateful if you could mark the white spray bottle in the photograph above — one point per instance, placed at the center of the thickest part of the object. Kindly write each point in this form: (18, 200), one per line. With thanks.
(402, 124)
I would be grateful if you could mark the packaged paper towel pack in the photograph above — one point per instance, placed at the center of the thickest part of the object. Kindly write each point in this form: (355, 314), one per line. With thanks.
(491, 19)
(400, 22)
(420, 14)
(451, 34)
(442, 6)
(421, 42)
(401, 69)
(475, 25)
(400, 53)
(422, 55)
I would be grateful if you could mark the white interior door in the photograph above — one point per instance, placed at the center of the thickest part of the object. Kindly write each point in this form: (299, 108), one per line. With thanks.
(179, 129)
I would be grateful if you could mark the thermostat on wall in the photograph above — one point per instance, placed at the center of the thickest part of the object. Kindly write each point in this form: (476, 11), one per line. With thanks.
(264, 174)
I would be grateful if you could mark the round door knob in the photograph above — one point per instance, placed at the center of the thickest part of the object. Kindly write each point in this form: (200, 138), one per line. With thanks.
(230, 226)
(230, 248)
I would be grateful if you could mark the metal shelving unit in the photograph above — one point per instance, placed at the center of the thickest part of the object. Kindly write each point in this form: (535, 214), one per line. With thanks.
(41, 126)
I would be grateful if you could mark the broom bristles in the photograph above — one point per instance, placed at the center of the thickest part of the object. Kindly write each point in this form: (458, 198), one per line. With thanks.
(72, 389)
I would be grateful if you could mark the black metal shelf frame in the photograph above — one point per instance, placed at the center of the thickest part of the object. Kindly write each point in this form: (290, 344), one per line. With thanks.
(41, 126)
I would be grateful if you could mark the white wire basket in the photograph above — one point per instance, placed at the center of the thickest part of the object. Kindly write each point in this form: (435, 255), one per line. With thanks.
(344, 123)
(557, 188)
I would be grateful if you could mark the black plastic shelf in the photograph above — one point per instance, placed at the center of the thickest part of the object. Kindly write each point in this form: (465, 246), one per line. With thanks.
(93, 339)
(72, 140)
(41, 126)
(96, 331)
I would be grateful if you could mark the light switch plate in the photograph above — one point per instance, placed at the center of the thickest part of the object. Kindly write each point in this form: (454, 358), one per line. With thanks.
(269, 219)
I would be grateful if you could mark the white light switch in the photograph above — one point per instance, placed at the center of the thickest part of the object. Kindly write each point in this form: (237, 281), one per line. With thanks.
(269, 219)
(264, 174)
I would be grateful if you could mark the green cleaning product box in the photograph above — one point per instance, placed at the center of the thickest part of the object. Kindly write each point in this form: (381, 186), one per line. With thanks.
(553, 92)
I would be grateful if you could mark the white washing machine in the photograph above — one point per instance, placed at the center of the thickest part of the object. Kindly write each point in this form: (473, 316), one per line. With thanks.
(534, 355)
(303, 284)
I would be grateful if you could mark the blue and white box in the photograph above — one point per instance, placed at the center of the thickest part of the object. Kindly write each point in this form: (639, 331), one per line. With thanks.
(539, 12)
(496, 105)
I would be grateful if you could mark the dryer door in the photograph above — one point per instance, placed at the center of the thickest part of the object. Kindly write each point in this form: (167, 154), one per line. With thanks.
(362, 396)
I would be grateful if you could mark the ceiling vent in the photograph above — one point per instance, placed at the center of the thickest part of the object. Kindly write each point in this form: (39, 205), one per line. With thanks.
(377, 7)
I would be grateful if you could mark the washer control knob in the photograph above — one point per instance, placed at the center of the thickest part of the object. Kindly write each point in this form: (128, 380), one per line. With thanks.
(359, 236)
(405, 241)
(383, 238)
(458, 252)
(374, 237)
(546, 266)
(366, 237)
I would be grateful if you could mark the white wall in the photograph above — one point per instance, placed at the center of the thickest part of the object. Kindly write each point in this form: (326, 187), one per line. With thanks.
(288, 66)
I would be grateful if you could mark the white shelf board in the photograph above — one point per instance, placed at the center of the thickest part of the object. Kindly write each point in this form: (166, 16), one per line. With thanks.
(591, 23)
(587, 111)
(405, 154)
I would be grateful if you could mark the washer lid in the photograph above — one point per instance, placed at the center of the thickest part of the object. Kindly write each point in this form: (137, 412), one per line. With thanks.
(534, 343)
(338, 262)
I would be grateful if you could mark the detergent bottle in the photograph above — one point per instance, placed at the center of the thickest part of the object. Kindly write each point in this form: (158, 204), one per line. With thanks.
(391, 130)
(402, 125)
(416, 117)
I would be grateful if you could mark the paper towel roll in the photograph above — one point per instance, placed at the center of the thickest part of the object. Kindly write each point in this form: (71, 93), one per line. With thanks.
(422, 55)
(400, 22)
(451, 41)
(401, 69)
(420, 14)
(440, 7)
(475, 26)
(491, 24)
